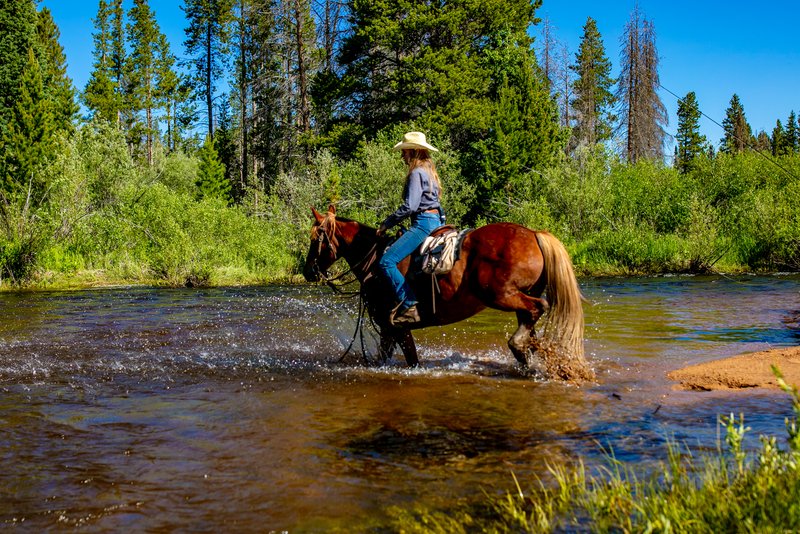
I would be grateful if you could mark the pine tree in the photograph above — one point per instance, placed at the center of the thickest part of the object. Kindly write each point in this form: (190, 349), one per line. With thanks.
(168, 94)
(792, 137)
(331, 16)
(211, 181)
(146, 43)
(30, 138)
(119, 63)
(58, 85)
(17, 36)
(207, 45)
(271, 136)
(738, 135)
(763, 143)
(690, 142)
(593, 97)
(779, 147)
(100, 94)
(524, 131)
(425, 63)
(303, 32)
(642, 111)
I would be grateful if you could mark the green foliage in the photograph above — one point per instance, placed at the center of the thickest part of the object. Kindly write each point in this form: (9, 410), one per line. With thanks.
(690, 143)
(732, 491)
(738, 134)
(30, 139)
(523, 132)
(206, 45)
(18, 35)
(57, 85)
(792, 139)
(211, 180)
(143, 88)
(593, 97)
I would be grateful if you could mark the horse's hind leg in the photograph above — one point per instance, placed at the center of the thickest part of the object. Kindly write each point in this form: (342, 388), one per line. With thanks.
(523, 338)
(521, 341)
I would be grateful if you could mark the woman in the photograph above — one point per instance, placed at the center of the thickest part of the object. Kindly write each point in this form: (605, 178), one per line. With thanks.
(421, 203)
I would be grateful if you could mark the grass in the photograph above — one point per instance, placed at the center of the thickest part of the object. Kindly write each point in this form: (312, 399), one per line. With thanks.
(730, 491)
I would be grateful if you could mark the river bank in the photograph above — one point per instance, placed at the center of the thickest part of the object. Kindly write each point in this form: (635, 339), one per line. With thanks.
(751, 370)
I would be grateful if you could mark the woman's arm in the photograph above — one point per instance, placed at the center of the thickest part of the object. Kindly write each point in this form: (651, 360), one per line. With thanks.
(412, 195)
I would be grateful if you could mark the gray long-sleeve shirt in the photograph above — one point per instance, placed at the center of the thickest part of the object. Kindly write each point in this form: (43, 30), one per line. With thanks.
(420, 193)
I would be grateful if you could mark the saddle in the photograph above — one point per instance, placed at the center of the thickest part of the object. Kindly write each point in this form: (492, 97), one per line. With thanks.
(440, 250)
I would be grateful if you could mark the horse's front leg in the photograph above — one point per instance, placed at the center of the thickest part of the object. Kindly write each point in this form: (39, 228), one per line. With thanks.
(406, 341)
(387, 344)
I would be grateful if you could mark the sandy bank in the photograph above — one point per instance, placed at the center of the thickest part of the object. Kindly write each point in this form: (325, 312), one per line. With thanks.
(743, 371)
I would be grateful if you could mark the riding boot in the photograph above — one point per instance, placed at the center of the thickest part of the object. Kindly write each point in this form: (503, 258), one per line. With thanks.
(408, 316)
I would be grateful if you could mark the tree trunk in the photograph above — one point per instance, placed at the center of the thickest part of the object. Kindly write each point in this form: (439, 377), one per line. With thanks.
(209, 103)
(305, 114)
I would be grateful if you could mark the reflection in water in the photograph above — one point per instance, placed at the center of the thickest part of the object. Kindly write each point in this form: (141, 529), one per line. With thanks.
(206, 409)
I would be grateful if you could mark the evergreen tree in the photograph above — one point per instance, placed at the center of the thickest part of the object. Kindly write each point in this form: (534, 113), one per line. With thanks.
(58, 86)
(147, 43)
(271, 136)
(211, 181)
(642, 111)
(423, 62)
(100, 94)
(30, 138)
(331, 22)
(792, 137)
(17, 36)
(303, 33)
(207, 45)
(738, 135)
(168, 90)
(593, 97)
(763, 143)
(690, 142)
(779, 146)
(523, 132)
(119, 63)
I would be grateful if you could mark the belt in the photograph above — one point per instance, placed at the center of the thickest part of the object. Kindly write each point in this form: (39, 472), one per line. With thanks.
(431, 211)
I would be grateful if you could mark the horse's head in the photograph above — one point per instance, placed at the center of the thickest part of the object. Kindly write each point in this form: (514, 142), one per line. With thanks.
(323, 251)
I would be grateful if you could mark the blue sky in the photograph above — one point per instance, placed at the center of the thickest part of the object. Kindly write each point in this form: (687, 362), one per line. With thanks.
(714, 48)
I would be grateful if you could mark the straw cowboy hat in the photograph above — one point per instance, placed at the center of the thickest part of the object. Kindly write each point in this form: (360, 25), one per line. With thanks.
(414, 140)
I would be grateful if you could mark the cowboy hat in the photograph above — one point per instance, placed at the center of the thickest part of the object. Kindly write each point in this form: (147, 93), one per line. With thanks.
(412, 141)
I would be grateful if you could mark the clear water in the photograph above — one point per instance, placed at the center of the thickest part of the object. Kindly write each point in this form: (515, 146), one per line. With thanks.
(218, 409)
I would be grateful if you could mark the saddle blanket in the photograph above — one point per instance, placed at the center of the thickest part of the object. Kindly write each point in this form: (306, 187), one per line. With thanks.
(439, 253)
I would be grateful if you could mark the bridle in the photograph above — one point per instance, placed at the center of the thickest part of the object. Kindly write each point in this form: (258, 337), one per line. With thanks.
(332, 242)
(364, 264)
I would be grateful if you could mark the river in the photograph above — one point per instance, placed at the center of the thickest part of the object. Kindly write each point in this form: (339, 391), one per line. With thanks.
(224, 409)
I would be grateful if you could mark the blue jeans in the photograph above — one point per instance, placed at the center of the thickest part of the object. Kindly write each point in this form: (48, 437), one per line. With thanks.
(421, 227)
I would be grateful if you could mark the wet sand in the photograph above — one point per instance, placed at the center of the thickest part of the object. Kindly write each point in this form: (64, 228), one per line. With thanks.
(739, 372)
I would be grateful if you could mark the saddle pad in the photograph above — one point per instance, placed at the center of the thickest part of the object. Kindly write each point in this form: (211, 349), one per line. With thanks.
(440, 252)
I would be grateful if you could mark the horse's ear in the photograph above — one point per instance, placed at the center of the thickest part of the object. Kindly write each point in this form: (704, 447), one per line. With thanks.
(317, 215)
(332, 209)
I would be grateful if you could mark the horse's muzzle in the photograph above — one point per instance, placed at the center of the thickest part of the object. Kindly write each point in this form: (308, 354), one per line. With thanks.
(312, 273)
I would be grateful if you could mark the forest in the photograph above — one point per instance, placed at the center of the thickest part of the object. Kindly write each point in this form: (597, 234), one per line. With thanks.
(201, 169)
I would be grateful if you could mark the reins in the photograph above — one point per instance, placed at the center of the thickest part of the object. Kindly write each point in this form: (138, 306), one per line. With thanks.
(364, 265)
(365, 262)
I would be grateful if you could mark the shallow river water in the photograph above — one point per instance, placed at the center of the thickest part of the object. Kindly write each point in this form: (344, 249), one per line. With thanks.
(224, 409)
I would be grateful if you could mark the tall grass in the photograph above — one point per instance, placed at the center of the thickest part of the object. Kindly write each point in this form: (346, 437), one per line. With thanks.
(730, 491)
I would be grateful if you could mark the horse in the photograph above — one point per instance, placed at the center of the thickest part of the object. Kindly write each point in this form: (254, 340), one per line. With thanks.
(503, 266)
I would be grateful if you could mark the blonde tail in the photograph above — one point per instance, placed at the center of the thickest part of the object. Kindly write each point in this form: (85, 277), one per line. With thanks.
(564, 326)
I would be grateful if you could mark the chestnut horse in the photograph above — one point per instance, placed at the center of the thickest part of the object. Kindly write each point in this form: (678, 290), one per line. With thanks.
(502, 266)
